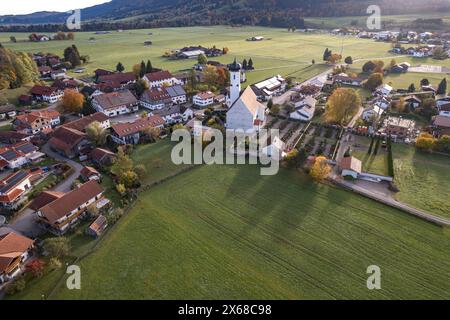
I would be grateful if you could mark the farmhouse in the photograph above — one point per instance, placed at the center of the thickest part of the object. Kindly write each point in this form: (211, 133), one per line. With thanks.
(265, 89)
(44, 198)
(13, 189)
(348, 81)
(102, 157)
(203, 99)
(61, 214)
(36, 121)
(68, 142)
(373, 112)
(177, 94)
(304, 109)
(85, 121)
(441, 125)
(130, 133)
(116, 80)
(116, 103)
(14, 252)
(46, 94)
(156, 98)
(160, 78)
(174, 114)
(351, 167)
(7, 111)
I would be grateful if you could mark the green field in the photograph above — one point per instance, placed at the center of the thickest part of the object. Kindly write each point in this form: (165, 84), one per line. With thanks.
(376, 164)
(423, 179)
(226, 232)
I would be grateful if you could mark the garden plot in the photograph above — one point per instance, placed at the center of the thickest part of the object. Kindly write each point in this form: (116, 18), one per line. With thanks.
(319, 140)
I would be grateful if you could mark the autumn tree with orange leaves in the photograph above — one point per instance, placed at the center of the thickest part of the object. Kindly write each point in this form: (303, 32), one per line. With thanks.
(72, 101)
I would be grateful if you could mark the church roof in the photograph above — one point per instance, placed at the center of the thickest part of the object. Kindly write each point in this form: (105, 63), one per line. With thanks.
(234, 66)
(249, 100)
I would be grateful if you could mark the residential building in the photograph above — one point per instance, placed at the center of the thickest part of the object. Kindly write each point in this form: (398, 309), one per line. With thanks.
(174, 114)
(36, 121)
(117, 80)
(130, 133)
(156, 98)
(11, 137)
(373, 112)
(46, 94)
(15, 250)
(20, 154)
(270, 87)
(44, 198)
(384, 90)
(203, 99)
(60, 215)
(412, 101)
(304, 109)
(160, 79)
(344, 79)
(351, 167)
(82, 123)
(177, 94)
(116, 103)
(102, 157)
(68, 142)
(441, 125)
(89, 173)
(13, 189)
(7, 111)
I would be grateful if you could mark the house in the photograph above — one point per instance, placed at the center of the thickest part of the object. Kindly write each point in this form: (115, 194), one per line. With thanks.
(190, 54)
(304, 109)
(89, 173)
(102, 157)
(13, 189)
(384, 90)
(442, 100)
(246, 113)
(412, 101)
(97, 227)
(401, 68)
(25, 100)
(256, 38)
(445, 113)
(382, 102)
(44, 198)
(20, 154)
(203, 99)
(116, 80)
(160, 78)
(274, 146)
(177, 94)
(344, 79)
(65, 84)
(174, 114)
(7, 111)
(441, 125)
(60, 215)
(156, 98)
(265, 89)
(350, 167)
(46, 94)
(45, 71)
(58, 74)
(36, 121)
(15, 250)
(68, 142)
(82, 123)
(11, 137)
(373, 112)
(130, 133)
(116, 103)
(398, 127)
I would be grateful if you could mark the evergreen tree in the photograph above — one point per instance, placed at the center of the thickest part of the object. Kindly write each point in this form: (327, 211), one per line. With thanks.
(412, 88)
(142, 70)
(250, 64)
(424, 82)
(244, 64)
(120, 67)
(149, 67)
(326, 55)
(442, 88)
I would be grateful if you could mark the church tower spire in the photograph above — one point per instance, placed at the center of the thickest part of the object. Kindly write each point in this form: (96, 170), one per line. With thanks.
(235, 82)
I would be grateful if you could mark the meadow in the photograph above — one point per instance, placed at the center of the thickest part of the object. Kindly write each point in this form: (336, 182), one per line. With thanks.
(422, 179)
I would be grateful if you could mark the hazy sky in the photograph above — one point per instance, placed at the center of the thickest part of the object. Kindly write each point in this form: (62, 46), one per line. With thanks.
(29, 6)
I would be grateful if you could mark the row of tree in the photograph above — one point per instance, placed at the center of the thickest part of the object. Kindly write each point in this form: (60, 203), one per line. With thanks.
(16, 69)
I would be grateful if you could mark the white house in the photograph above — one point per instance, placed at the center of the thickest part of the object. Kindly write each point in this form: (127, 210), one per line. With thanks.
(160, 78)
(177, 94)
(384, 90)
(304, 109)
(203, 99)
(372, 112)
(15, 250)
(116, 103)
(382, 103)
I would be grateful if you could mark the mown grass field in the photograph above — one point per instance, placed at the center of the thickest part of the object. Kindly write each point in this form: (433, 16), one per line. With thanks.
(376, 164)
(423, 179)
(226, 232)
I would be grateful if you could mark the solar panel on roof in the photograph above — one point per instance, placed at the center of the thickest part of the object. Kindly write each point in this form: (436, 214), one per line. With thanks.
(9, 155)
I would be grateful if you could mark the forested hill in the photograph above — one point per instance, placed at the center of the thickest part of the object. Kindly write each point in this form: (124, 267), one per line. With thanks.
(279, 13)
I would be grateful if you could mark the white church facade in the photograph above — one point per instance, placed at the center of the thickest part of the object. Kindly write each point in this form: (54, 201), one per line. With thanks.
(245, 111)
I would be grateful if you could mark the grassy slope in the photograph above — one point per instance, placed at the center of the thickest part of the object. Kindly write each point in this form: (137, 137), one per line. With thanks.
(229, 233)
(423, 179)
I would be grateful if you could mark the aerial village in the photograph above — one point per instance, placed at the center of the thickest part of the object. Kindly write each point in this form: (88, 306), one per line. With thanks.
(68, 136)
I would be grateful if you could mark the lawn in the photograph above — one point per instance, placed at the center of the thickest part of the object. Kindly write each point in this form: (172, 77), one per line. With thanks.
(376, 164)
(282, 52)
(228, 233)
(423, 179)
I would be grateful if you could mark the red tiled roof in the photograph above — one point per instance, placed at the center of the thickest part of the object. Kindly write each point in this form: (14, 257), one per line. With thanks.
(89, 171)
(66, 138)
(12, 245)
(126, 129)
(116, 99)
(98, 154)
(121, 78)
(71, 201)
(82, 123)
(45, 198)
(159, 76)
(205, 95)
(43, 90)
(351, 163)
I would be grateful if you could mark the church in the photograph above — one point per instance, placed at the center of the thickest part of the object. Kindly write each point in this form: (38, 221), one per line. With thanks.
(245, 112)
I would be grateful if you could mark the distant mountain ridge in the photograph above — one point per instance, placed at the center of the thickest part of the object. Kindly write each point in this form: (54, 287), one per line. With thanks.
(207, 12)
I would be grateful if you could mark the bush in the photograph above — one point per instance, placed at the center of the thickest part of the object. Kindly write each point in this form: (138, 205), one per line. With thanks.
(17, 286)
